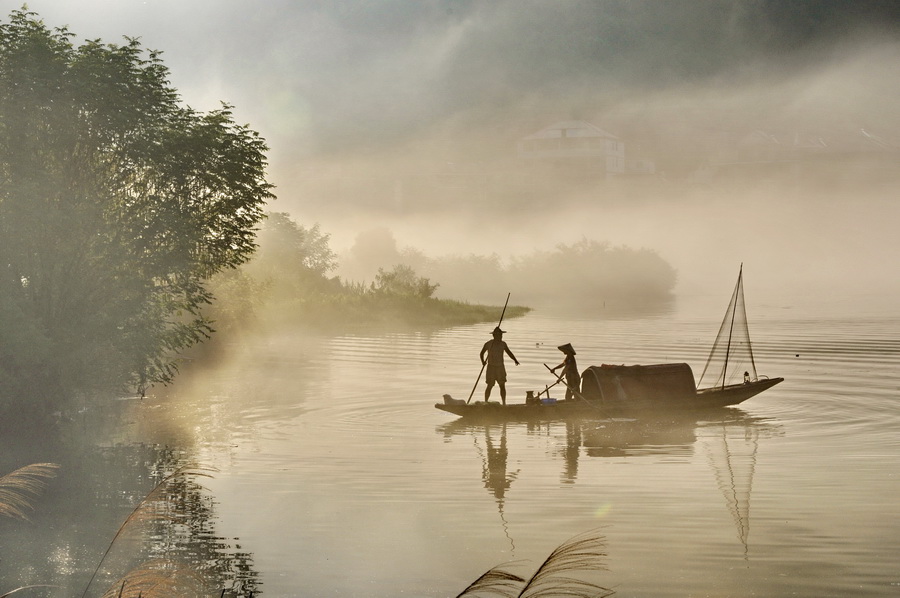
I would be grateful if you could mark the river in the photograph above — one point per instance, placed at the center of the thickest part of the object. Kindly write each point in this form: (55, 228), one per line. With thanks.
(331, 474)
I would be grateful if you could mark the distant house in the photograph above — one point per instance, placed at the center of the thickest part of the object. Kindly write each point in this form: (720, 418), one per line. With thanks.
(575, 146)
(640, 166)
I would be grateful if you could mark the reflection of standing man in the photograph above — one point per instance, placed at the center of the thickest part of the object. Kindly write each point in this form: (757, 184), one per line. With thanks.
(496, 370)
(494, 474)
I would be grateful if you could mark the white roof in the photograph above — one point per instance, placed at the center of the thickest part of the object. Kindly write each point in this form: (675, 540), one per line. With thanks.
(571, 128)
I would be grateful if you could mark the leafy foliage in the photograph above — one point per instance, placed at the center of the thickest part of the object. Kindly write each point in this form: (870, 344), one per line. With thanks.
(288, 247)
(117, 203)
(402, 280)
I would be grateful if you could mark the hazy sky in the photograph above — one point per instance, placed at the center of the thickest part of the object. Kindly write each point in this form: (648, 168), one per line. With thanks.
(346, 81)
(317, 76)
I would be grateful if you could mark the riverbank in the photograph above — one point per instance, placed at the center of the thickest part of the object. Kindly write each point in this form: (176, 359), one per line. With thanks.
(348, 314)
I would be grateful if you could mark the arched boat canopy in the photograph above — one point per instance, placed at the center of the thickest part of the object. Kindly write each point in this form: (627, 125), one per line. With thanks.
(629, 383)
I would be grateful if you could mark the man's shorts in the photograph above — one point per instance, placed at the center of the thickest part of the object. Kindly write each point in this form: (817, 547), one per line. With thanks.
(495, 373)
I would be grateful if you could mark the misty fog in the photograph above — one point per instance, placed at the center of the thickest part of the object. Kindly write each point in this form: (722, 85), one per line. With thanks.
(407, 116)
(689, 139)
(819, 222)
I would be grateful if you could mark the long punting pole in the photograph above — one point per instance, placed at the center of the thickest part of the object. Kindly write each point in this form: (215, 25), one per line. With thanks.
(478, 379)
(734, 300)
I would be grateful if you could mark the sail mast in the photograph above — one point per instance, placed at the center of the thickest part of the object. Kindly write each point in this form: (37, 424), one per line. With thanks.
(732, 344)
(747, 331)
(737, 289)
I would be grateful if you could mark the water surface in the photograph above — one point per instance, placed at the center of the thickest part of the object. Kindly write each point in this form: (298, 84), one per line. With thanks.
(339, 478)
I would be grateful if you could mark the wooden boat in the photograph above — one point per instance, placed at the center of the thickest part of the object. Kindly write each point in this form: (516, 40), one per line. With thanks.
(613, 390)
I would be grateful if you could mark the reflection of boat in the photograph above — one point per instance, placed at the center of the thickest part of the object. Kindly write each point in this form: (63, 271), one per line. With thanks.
(616, 389)
(729, 438)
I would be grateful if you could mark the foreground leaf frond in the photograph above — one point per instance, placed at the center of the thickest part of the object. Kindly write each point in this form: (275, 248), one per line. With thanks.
(584, 552)
(495, 581)
(19, 488)
(156, 579)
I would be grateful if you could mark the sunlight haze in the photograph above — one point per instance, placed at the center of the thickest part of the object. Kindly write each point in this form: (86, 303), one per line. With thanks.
(360, 101)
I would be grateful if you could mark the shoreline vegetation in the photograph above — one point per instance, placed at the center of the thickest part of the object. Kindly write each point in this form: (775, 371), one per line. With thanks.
(118, 203)
(368, 312)
(287, 283)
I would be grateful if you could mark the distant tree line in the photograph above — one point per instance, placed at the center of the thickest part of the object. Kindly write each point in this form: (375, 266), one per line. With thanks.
(117, 204)
(289, 281)
(586, 273)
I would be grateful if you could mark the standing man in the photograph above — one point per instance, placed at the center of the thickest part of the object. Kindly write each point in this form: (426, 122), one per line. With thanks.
(569, 370)
(496, 370)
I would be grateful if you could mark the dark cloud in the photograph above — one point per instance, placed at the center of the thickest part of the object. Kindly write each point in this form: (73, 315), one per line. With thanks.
(326, 76)
(394, 70)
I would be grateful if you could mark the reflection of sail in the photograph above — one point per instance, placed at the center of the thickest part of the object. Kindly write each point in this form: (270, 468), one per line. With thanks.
(732, 454)
(729, 437)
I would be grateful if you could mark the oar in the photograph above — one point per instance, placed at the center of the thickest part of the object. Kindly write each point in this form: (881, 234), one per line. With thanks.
(548, 387)
(478, 379)
(574, 390)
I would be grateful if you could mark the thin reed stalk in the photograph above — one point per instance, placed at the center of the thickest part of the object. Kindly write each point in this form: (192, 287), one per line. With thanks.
(140, 513)
(11, 592)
